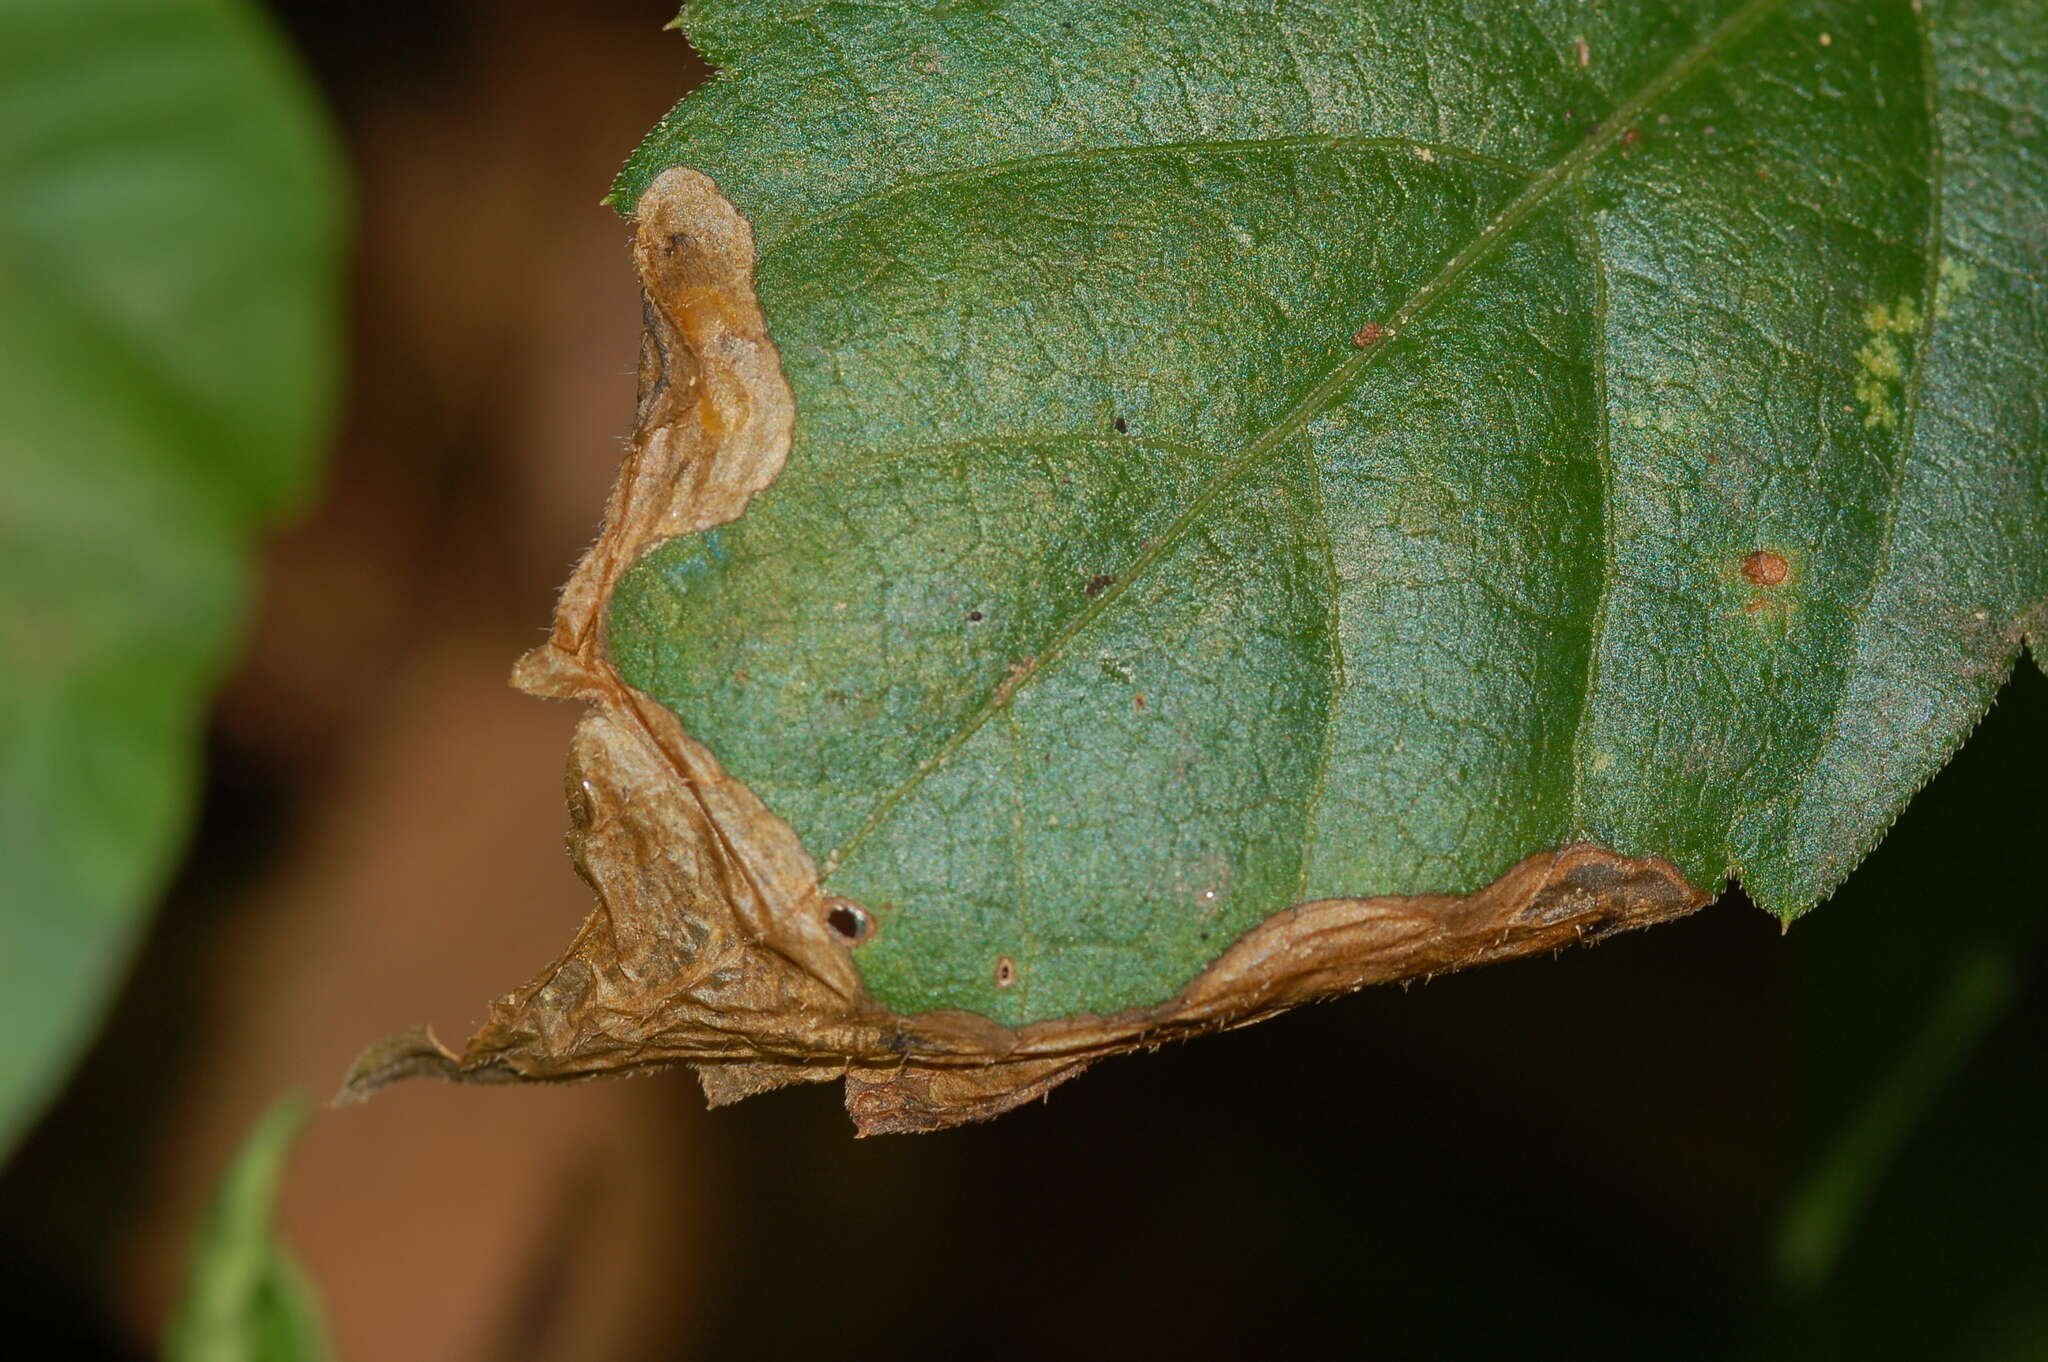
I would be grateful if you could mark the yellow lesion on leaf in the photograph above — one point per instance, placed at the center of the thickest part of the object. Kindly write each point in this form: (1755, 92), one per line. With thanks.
(1882, 360)
(1664, 421)
(1956, 280)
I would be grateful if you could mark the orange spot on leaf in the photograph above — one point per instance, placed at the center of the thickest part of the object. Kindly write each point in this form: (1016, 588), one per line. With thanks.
(1765, 568)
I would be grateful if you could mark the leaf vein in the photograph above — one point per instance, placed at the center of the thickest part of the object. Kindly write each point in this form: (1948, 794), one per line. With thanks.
(1337, 677)
(1085, 155)
(1596, 633)
(1909, 410)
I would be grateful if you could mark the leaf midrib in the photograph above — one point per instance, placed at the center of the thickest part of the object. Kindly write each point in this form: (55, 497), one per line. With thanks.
(1534, 195)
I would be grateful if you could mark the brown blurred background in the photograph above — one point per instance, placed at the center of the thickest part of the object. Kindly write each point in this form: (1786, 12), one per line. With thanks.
(1583, 1156)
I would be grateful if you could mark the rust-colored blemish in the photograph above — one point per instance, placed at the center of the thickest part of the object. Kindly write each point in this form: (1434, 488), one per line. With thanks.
(1369, 335)
(1766, 568)
(1018, 671)
(1006, 972)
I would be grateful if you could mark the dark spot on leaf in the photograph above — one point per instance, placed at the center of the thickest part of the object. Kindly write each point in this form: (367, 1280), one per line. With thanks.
(1098, 584)
(1123, 427)
(1369, 335)
(974, 617)
(853, 923)
(1006, 972)
(1765, 568)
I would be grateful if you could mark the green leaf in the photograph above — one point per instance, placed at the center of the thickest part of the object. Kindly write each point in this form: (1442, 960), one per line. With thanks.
(1255, 454)
(169, 237)
(246, 1300)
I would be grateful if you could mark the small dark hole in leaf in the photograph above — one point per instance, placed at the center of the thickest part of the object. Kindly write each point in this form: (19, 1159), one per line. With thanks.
(1006, 972)
(849, 920)
(1123, 427)
(974, 617)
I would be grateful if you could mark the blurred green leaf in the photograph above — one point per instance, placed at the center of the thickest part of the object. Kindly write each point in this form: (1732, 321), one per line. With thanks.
(245, 1299)
(1915, 1230)
(1979, 988)
(170, 228)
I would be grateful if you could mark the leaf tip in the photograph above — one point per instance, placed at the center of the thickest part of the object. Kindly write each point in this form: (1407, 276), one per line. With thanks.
(409, 1054)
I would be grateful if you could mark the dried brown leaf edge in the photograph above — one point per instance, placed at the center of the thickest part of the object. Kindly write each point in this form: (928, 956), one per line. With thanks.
(708, 944)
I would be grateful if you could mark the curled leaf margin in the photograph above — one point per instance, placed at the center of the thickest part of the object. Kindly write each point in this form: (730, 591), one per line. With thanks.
(708, 944)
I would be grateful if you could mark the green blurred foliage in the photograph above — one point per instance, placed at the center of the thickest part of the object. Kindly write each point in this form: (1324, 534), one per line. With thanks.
(245, 1298)
(170, 237)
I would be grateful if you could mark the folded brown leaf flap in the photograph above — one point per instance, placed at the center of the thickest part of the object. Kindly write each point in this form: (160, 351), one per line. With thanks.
(708, 943)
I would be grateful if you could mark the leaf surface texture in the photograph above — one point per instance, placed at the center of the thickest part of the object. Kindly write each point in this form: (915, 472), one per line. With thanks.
(1253, 454)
